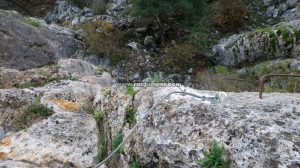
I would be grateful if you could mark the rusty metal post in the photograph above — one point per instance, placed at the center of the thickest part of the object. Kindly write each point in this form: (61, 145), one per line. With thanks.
(263, 79)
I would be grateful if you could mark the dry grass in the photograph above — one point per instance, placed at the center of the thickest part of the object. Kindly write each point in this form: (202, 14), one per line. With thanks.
(67, 105)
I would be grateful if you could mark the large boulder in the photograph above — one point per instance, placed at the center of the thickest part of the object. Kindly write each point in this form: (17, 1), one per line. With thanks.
(279, 41)
(28, 43)
(68, 138)
(255, 132)
(62, 140)
(30, 7)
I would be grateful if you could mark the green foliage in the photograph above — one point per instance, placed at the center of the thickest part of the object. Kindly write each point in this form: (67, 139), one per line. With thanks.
(215, 157)
(130, 115)
(101, 147)
(168, 12)
(116, 141)
(31, 21)
(98, 115)
(105, 40)
(158, 78)
(272, 37)
(221, 70)
(179, 58)
(25, 85)
(33, 112)
(229, 14)
(135, 163)
(74, 78)
(130, 91)
(286, 35)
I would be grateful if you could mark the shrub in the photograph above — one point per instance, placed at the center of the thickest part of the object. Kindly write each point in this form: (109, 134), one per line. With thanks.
(101, 147)
(169, 16)
(221, 70)
(98, 115)
(135, 163)
(104, 40)
(116, 141)
(33, 112)
(166, 11)
(215, 157)
(32, 21)
(130, 91)
(179, 57)
(229, 14)
(130, 115)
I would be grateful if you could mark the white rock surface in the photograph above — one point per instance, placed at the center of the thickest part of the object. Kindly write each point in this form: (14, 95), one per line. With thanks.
(255, 132)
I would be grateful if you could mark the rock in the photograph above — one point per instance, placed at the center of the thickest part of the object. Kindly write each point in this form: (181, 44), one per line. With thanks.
(291, 3)
(259, 44)
(247, 125)
(292, 14)
(266, 2)
(275, 13)
(134, 46)
(270, 11)
(62, 140)
(11, 103)
(63, 12)
(30, 46)
(87, 10)
(282, 8)
(16, 164)
(295, 65)
(2, 133)
(75, 68)
(150, 43)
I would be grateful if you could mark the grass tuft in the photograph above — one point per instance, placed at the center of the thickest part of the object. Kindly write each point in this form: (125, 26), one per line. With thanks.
(215, 157)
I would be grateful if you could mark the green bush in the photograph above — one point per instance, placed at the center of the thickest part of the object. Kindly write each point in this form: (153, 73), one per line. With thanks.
(116, 141)
(229, 14)
(221, 70)
(130, 115)
(130, 91)
(32, 21)
(98, 115)
(101, 147)
(168, 11)
(135, 163)
(179, 58)
(167, 18)
(105, 40)
(215, 157)
(33, 112)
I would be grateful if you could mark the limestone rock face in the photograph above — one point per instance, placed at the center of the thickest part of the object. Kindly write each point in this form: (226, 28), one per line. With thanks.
(62, 140)
(255, 132)
(75, 68)
(69, 138)
(279, 41)
(29, 43)
(11, 103)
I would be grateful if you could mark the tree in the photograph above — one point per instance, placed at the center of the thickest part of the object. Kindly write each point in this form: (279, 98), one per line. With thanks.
(168, 13)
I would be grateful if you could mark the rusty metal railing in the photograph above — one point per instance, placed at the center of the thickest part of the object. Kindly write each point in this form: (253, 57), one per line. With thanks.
(263, 79)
